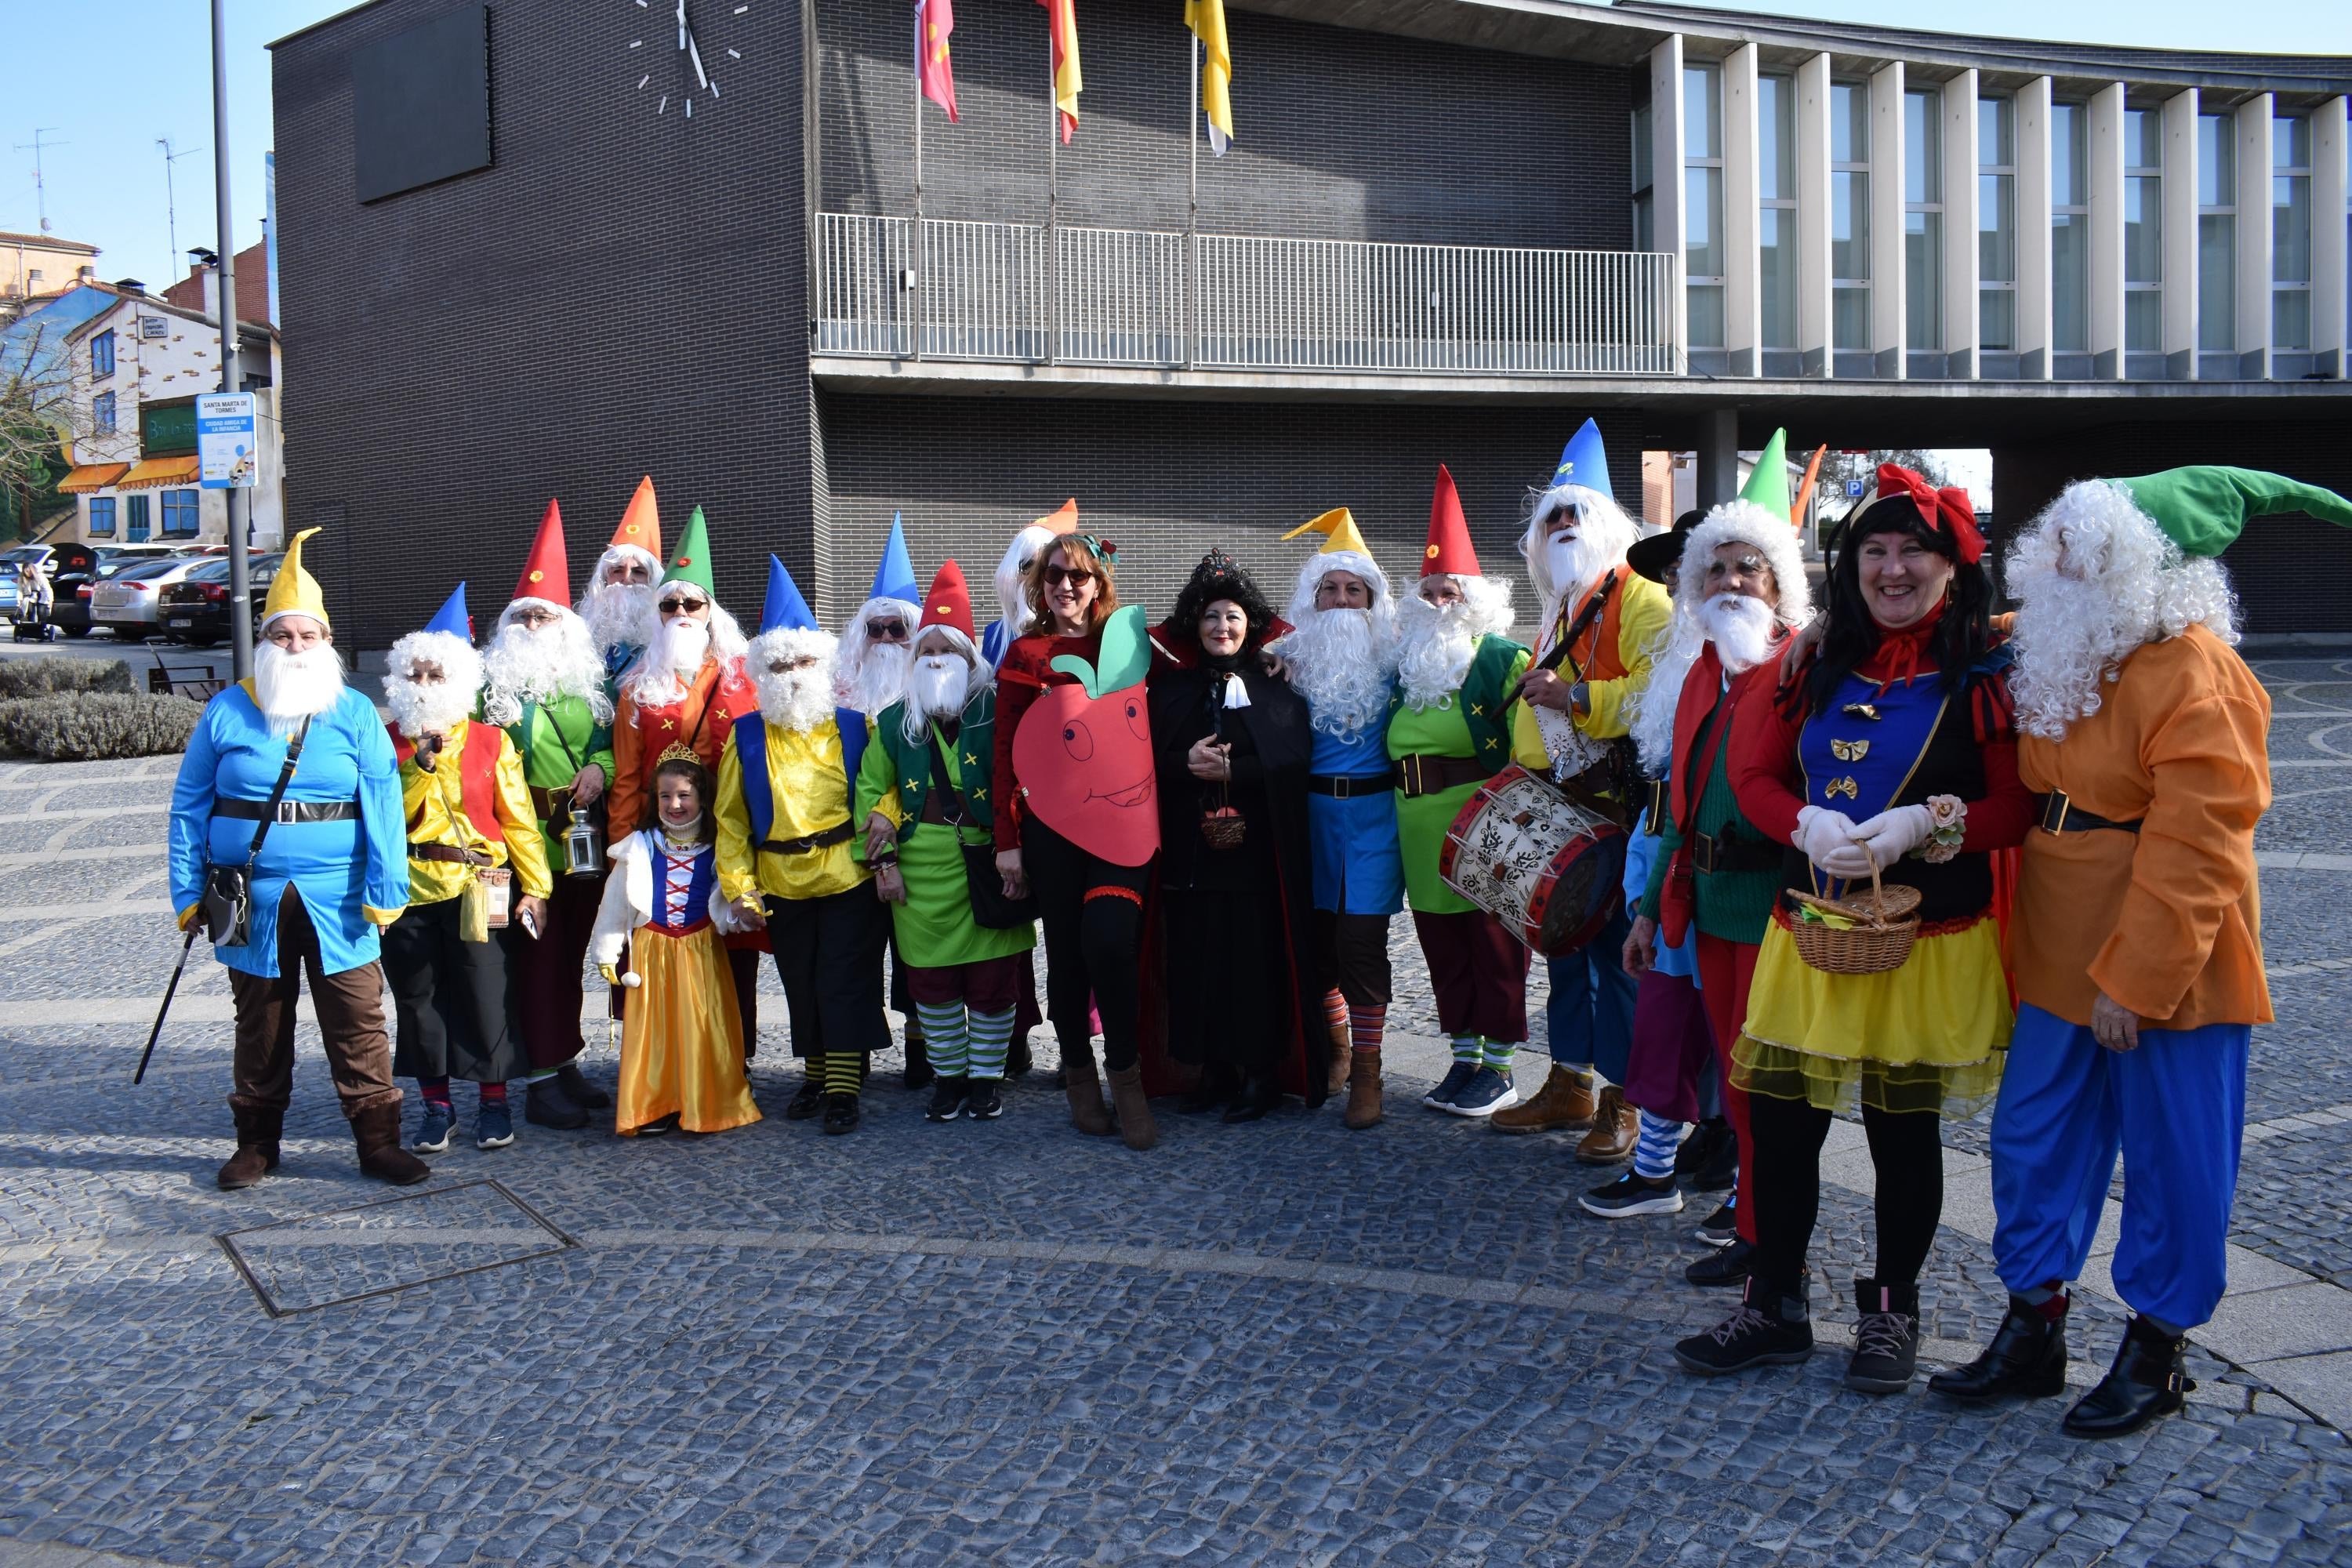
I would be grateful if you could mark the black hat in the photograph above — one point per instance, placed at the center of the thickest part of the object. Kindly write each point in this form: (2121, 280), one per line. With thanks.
(1657, 556)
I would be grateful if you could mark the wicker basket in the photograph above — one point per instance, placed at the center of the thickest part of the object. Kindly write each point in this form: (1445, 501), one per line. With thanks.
(1223, 829)
(1879, 940)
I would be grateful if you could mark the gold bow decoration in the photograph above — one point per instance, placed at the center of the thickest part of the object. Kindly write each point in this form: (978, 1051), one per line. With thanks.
(1845, 786)
(1849, 750)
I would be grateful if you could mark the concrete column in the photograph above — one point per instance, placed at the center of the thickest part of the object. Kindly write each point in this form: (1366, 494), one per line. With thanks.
(2106, 294)
(1743, 284)
(2254, 238)
(1886, 313)
(2180, 235)
(2328, 135)
(1960, 255)
(1666, 172)
(1718, 456)
(2034, 323)
(1814, 333)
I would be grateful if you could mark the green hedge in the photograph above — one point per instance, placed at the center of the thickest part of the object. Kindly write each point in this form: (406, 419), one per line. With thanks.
(43, 677)
(93, 725)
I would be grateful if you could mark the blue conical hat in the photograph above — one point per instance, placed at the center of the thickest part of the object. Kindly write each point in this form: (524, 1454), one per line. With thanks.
(895, 578)
(451, 617)
(1584, 461)
(786, 610)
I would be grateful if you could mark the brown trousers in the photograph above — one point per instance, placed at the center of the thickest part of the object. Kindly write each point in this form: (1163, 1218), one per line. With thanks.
(351, 1023)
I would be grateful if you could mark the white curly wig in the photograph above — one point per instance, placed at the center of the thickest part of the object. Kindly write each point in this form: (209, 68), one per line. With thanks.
(1735, 521)
(1611, 531)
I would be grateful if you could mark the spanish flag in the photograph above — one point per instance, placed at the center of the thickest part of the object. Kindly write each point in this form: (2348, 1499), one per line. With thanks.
(1207, 20)
(1062, 21)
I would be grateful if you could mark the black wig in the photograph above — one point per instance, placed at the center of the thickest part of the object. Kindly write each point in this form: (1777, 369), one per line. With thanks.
(1219, 576)
(1852, 636)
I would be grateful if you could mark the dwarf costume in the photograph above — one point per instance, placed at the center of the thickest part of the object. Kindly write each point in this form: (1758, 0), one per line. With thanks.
(1442, 753)
(555, 739)
(332, 872)
(963, 979)
(637, 533)
(786, 836)
(468, 812)
(2139, 885)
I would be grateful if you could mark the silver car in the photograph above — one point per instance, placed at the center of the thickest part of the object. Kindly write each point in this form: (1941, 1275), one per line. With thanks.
(127, 601)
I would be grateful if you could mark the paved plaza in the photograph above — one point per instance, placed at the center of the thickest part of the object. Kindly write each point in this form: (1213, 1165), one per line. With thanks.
(1281, 1342)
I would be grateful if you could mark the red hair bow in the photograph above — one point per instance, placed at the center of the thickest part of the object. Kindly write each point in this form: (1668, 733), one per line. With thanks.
(1946, 510)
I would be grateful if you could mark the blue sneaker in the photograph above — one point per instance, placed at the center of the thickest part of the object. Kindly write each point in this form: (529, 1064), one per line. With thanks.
(432, 1132)
(1488, 1091)
(493, 1127)
(1457, 1078)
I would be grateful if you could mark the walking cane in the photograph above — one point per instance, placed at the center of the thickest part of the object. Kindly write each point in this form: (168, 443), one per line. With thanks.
(177, 970)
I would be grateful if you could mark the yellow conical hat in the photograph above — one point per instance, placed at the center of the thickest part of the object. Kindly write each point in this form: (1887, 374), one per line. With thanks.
(1339, 525)
(294, 592)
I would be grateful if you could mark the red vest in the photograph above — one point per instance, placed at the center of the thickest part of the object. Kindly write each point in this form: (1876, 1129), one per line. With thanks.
(478, 771)
(1596, 652)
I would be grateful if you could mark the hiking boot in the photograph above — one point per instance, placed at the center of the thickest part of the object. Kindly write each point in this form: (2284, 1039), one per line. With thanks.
(1885, 1339)
(1563, 1104)
(1767, 1331)
(1616, 1128)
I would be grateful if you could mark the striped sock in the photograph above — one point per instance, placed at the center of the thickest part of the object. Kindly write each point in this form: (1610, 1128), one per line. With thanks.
(844, 1071)
(1496, 1054)
(1653, 1156)
(992, 1033)
(435, 1091)
(945, 1036)
(1365, 1025)
(1335, 1011)
(1465, 1049)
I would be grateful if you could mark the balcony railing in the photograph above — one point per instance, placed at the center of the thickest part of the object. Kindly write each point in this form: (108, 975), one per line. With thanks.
(1024, 294)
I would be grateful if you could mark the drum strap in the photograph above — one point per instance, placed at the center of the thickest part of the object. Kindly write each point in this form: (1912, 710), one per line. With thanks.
(1594, 608)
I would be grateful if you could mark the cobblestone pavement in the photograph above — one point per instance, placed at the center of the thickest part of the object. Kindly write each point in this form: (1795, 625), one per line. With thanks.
(1280, 1344)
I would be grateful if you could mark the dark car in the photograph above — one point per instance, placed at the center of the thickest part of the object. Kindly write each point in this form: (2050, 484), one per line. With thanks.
(73, 569)
(195, 610)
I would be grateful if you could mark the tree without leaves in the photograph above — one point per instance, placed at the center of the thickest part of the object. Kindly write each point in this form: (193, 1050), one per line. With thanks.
(40, 408)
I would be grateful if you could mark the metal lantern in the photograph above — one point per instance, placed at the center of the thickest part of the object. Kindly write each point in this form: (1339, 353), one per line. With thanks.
(583, 848)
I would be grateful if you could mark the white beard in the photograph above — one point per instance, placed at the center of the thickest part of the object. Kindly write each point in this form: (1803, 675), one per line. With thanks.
(1574, 563)
(1741, 627)
(798, 699)
(670, 662)
(1340, 662)
(936, 690)
(1434, 649)
(418, 706)
(871, 677)
(620, 615)
(523, 666)
(292, 687)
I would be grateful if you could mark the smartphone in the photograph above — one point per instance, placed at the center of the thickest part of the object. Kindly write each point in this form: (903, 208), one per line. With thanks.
(530, 924)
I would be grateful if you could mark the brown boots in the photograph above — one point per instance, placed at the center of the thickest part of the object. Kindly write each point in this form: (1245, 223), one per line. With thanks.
(257, 1131)
(1363, 1092)
(1563, 1104)
(376, 1131)
(1085, 1090)
(1342, 1044)
(1135, 1124)
(1616, 1128)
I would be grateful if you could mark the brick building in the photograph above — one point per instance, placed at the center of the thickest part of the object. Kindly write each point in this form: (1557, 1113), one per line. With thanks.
(515, 265)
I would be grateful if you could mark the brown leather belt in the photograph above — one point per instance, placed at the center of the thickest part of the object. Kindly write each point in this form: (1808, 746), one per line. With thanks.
(1420, 776)
(1350, 786)
(841, 834)
(2060, 815)
(450, 853)
(1715, 857)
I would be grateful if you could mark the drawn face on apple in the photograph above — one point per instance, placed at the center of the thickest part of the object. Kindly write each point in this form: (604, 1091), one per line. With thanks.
(1084, 751)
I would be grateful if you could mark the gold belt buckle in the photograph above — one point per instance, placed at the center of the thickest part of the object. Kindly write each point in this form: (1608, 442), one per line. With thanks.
(2054, 806)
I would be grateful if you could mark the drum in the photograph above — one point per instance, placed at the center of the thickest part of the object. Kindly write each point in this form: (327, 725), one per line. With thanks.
(1552, 871)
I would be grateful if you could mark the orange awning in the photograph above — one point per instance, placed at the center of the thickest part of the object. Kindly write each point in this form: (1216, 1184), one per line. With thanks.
(149, 471)
(92, 477)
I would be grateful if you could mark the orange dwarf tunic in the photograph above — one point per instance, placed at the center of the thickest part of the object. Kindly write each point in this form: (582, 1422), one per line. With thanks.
(721, 693)
(2168, 920)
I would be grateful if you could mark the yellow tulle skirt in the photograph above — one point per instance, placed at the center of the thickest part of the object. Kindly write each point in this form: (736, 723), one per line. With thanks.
(1926, 1037)
(681, 1037)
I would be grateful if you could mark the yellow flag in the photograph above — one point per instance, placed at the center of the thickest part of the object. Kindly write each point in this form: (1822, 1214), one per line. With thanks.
(1207, 20)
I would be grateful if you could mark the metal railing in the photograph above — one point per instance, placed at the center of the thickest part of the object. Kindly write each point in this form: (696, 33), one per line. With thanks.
(1023, 293)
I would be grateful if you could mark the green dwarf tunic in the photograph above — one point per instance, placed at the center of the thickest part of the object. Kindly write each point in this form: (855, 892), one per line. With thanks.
(555, 741)
(1471, 726)
(934, 926)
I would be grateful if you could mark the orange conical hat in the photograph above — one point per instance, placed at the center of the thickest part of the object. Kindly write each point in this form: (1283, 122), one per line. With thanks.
(641, 524)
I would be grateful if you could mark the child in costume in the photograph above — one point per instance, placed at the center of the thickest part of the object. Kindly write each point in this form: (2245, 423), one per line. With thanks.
(681, 1036)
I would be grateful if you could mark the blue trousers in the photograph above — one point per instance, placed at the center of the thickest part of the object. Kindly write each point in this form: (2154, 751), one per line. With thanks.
(2176, 1108)
(1589, 1022)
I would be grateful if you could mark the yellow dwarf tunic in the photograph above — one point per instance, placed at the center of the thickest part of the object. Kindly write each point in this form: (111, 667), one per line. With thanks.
(436, 807)
(811, 791)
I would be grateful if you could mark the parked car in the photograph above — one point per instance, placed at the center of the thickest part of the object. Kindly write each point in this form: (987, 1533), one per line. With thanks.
(73, 568)
(127, 602)
(195, 610)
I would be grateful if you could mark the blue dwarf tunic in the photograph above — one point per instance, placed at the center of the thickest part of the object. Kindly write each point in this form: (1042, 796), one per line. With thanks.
(1359, 870)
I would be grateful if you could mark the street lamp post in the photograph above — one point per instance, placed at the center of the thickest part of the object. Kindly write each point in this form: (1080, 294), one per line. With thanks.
(240, 604)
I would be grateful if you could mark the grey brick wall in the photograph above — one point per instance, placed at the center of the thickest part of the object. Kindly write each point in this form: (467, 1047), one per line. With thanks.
(1339, 134)
(620, 293)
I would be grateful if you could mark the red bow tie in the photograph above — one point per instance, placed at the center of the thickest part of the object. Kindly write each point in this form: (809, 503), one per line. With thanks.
(1946, 510)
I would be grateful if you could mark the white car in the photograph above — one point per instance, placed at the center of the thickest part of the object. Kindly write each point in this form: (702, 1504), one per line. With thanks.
(126, 601)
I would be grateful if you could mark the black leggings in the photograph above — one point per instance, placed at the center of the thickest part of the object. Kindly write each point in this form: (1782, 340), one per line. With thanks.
(1093, 915)
(1907, 1152)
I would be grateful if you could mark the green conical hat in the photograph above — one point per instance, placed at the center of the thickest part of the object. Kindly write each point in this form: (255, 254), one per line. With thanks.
(1768, 482)
(2203, 509)
(690, 562)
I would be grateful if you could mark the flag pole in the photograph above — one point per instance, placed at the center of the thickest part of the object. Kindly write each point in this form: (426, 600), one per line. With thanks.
(914, 265)
(1192, 216)
(1053, 198)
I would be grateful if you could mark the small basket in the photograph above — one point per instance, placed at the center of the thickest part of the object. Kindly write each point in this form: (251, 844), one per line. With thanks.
(1880, 939)
(1223, 829)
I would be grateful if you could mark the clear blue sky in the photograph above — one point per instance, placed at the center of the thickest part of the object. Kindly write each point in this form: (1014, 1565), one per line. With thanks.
(111, 75)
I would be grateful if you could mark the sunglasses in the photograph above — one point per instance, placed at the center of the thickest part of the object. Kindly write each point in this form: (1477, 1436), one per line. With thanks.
(674, 606)
(886, 631)
(1058, 575)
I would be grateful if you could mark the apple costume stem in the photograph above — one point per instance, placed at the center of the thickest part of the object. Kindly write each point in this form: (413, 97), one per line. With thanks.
(1084, 752)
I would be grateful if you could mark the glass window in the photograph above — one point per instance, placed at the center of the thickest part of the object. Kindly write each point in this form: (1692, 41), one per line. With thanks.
(1702, 112)
(1645, 220)
(2070, 227)
(101, 355)
(1997, 223)
(102, 517)
(2070, 168)
(1997, 132)
(1850, 225)
(135, 519)
(1703, 259)
(1923, 220)
(1776, 229)
(1850, 122)
(2217, 233)
(101, 414)
(1776, 130)
(1776, 236)
(2144, 229)
(1923, 147)
(2291, 233)
(1849, 216)
(2217, 162)
(180, 509)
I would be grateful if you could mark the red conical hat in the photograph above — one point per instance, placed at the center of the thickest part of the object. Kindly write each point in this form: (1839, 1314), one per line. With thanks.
(641, 524)
(1449, 551)
(949, 604)
(545, 572)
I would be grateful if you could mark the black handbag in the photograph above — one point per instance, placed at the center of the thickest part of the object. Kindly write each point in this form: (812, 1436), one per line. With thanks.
(227, 903)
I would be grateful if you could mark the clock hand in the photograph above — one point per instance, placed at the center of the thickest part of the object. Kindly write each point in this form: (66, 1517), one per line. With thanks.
(681, 24)
(694, 55)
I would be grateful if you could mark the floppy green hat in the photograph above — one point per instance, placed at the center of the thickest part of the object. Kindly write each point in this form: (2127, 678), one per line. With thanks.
(2203, 509)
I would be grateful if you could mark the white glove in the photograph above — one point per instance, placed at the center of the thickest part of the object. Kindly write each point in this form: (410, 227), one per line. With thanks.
(1893, 834)
(1827, 839)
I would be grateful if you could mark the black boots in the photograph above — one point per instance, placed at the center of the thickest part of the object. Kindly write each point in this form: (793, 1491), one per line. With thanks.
(545, 1104)
(259, 1128)
(579, 1090)
(2149, 1379)
(1724, 1266)
(2027, 1358)
(921, 1074)
(1885, 1339)
(1767, 1330)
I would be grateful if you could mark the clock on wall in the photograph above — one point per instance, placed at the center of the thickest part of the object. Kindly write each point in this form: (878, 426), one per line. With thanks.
(686, 77)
